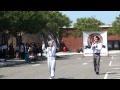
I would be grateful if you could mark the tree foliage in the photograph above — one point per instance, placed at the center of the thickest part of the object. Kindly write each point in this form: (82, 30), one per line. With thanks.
(86, 24)
(115, 30)
(32, 22)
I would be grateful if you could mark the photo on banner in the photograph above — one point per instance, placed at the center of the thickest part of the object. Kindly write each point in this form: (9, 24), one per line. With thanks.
(88, 39)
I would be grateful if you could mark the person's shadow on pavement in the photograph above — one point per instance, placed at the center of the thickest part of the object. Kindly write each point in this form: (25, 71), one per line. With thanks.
(1, 76)
(65, 78)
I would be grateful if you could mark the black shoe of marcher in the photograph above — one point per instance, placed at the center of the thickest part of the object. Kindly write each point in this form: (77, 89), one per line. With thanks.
(97, 73)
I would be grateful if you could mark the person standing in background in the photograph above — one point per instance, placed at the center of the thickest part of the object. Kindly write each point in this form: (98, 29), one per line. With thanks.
(22, 51)
(11, 50)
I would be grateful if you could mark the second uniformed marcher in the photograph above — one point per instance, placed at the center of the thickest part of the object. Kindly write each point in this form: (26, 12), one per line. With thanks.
(96, 47)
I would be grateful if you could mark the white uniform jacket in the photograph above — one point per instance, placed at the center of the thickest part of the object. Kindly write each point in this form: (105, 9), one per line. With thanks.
(96, 47)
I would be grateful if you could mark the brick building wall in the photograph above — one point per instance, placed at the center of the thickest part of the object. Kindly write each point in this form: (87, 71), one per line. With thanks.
(73, 44)
(113, 38)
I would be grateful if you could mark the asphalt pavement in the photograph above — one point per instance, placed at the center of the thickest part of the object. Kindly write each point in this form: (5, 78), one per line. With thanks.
(13, 62)
(67, 67)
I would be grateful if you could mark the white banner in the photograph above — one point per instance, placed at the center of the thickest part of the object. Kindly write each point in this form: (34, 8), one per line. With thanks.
(88, 39)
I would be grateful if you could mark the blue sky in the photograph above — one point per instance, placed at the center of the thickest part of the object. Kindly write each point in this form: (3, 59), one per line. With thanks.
(106, 17)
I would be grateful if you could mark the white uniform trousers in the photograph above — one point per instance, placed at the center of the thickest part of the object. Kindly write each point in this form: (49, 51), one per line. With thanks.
(51, 66)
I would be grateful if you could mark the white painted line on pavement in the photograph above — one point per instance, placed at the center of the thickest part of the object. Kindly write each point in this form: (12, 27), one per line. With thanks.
(110, 63)
(78, 58)
(115, 68)
(101, 60)
(36, 65)
(84, 63)
(112, 57)
(106, 75)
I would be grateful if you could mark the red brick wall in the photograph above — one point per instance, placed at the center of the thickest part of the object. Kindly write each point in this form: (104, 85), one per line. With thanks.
(73, 43)
(104, 29)
(113, 37)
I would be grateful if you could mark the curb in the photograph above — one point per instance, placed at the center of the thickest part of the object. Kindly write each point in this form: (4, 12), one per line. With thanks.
(114, 52)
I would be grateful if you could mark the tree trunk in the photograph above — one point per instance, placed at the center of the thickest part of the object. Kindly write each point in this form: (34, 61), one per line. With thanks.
(4, 38)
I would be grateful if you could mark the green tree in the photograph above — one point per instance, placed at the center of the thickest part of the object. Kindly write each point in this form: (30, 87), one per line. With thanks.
(55, 21)
(115, 30)
(86, 24)
(4, 25)
(17, 22)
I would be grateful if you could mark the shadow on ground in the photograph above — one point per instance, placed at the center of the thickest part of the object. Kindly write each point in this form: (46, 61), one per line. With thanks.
(65, 57)
(65, 78)
(109, 73)
(1, 76)
(112, 73)
(102, 73)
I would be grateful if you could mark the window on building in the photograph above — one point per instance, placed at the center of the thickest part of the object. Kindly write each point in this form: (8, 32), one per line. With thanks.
(116, 45)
